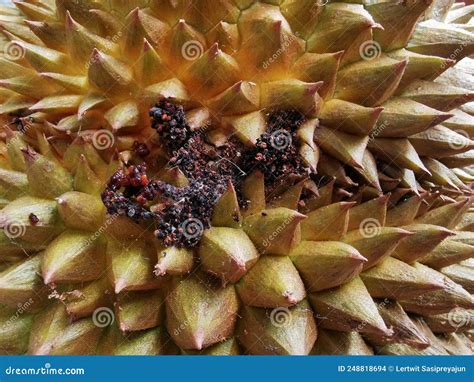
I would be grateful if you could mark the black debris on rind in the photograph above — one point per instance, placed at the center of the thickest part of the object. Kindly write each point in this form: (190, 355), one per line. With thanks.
(182, 214)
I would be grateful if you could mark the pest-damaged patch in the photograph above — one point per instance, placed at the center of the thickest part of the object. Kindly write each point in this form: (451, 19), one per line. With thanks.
(182, 214)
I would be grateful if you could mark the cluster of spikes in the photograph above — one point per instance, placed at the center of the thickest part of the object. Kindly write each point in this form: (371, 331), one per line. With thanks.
(373, 258)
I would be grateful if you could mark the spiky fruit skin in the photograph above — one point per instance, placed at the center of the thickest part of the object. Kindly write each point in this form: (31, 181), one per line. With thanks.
(77, 281)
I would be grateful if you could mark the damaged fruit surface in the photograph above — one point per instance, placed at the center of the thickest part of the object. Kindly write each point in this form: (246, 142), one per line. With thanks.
(236, 177)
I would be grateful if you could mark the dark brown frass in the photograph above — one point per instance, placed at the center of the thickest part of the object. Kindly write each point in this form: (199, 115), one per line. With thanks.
(209, 170)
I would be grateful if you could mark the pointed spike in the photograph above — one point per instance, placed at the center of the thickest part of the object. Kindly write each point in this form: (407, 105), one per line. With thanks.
(425, 239)
(123, 117)
(226, 35)
(375, 209)
(441, 39)
(241, 98)
(174, 261)
(381, 78)
(395, 279)
(461, 274)
(35, 12)
(227, 211)
(420, 67)
(349, 149)
(225, 69)
(404, 213)
(404, 331)
(437, 96)
(43, 59)
(21, 285)
(325, 265)
(404, 117)
(151, 68)
(291, 94)
(75, 84)
(17, 223)
(273, 231)
(335, 37)
(140, 310)
(85, 179)
(445, 216)
(290, 198)
(390, 14)
(349, 308)
(271, 283)
(81, 211)
(327, 223)
(399, 151)
(349, 117)
(109, 74)
(140, 25)
(199, 314)
(439, 301)
(375, 242)
(248, 127)
(52, 34)
(79, 338)
(281, 331)
(227, 253)
(131, 265)
(84, 301)
(73, 257)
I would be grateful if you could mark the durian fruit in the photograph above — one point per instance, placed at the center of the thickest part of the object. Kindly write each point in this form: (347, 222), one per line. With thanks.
(367, 253)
